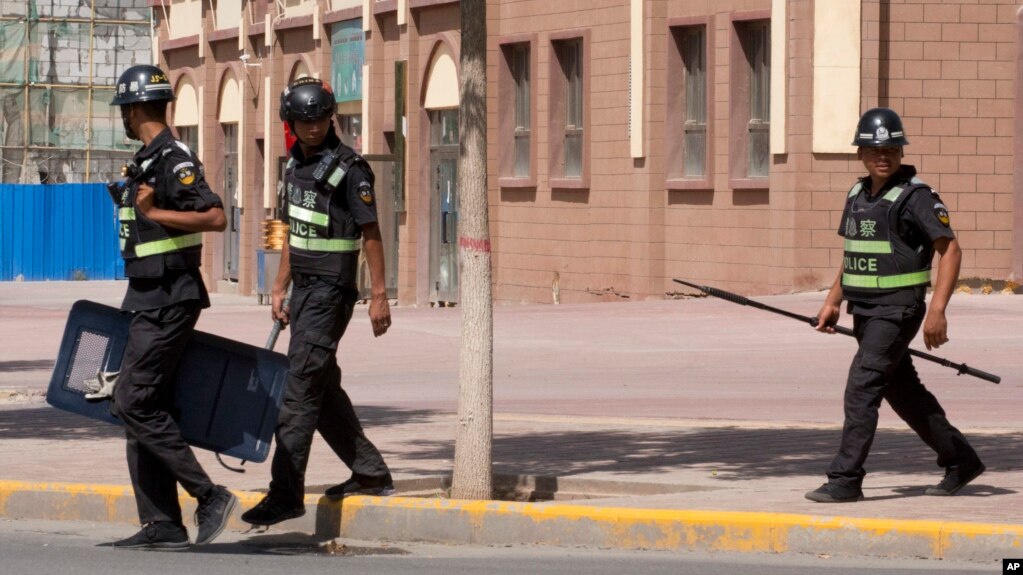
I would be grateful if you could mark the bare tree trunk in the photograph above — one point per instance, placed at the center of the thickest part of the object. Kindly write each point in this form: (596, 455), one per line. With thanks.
(473, 478)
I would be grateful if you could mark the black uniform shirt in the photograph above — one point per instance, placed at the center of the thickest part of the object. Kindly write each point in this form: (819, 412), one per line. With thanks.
(923, 220)
(179, 185)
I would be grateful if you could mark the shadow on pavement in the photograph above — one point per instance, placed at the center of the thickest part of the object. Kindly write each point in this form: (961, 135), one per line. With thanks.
(732, 454)
(288, 544)
(45, 422)
(26, 365)
(971, 490)
(379, 416)
(41, 421)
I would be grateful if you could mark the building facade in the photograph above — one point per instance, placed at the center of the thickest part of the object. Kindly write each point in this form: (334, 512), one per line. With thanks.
(630, 141)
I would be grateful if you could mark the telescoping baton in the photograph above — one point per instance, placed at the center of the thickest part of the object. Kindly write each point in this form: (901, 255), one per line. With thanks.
(960, 368)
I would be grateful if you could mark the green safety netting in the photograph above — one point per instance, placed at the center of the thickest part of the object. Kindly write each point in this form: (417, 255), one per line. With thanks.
(13, 51)
(59, 60)
(12, 107)
(107, 128)
(84, 9)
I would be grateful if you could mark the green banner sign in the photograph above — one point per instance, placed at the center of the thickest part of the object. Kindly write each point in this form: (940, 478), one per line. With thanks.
(348, 54)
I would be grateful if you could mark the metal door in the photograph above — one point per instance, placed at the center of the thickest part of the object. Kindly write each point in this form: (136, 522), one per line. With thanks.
(444, 241)
(444, 206)
(232, 236)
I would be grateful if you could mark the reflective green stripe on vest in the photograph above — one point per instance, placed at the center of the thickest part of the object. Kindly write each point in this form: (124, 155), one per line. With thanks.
(168, 245)
(893, 194)
(867, 247)
(125, 215)
(335, 176)
(324, 244)
(308, 216)
(163, 246)
(887, 282)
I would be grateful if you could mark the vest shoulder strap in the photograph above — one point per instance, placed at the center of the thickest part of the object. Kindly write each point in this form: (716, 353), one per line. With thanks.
(906, 190)
(346, 158)
(856, 190)
(146, 168)
(352, 158)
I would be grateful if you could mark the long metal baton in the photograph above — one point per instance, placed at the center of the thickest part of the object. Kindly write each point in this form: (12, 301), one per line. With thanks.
(960, 368)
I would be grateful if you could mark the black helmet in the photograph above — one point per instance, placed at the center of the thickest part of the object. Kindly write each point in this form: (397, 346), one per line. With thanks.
(142, 83)
(307, 99)
(879, 128)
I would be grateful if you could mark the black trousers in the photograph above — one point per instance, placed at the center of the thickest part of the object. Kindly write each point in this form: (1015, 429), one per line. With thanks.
(883, 369)
(313, 399)
(158, 457)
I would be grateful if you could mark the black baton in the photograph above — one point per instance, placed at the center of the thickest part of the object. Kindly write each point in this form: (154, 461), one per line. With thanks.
(960, 368)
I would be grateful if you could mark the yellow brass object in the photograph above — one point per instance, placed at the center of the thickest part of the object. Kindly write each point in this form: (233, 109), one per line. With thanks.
(274, 234)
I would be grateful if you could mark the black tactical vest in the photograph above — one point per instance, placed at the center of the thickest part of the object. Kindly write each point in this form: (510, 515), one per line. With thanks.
(323, 238)
(148, 248)
(879, 266)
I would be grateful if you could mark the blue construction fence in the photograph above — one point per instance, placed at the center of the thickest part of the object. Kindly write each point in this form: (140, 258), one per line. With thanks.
(58, 232)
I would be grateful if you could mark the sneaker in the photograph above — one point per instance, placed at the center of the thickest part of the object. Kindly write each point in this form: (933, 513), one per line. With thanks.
(956, 477)
(271, 510)
(213, 512)
(833, 493)
(161, 535)
(362, 485)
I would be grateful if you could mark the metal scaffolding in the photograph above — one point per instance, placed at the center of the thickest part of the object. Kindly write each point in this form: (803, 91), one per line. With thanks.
(59, 61)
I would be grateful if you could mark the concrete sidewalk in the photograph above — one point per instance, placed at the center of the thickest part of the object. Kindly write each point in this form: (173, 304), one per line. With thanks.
(693, 423)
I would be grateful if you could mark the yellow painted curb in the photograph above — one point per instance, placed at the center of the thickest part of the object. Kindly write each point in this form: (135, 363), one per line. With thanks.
(460, 521)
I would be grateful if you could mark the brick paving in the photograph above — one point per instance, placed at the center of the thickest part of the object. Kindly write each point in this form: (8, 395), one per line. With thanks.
(687, 404)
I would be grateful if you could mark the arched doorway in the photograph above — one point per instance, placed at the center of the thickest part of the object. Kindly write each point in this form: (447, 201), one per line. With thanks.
(186, 114)
(301, 70)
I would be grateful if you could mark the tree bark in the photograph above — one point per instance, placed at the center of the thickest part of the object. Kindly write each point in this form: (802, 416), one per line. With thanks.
(473, 476)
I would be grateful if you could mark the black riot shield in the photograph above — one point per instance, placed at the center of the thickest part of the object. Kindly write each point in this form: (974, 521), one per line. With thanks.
(227, 394)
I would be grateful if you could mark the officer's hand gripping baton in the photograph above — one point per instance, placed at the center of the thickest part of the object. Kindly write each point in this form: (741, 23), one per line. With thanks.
(278, 324)
(960, 368)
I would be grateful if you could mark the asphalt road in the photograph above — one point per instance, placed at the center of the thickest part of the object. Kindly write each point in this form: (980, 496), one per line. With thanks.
(79, 548)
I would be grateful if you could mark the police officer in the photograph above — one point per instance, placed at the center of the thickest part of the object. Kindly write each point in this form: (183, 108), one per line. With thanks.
(164, 207)
(892, 225)
(331, 211)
